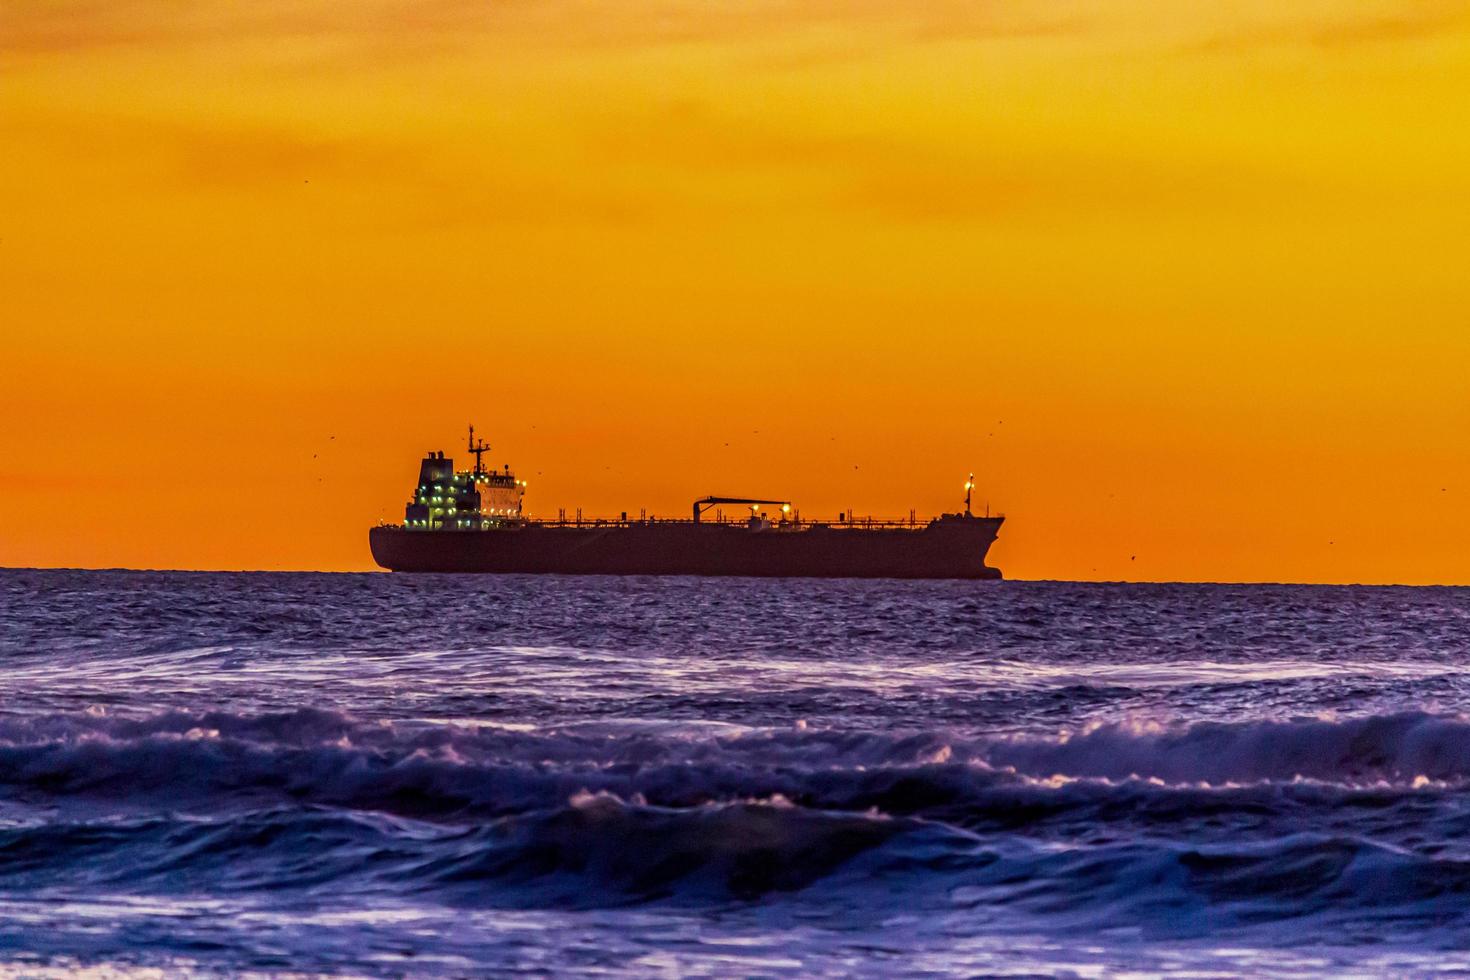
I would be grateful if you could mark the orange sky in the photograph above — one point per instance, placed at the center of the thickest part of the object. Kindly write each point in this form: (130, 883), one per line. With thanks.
(1187, 289)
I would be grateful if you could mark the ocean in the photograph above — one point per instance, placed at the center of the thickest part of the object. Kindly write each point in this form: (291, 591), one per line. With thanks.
(440, 776)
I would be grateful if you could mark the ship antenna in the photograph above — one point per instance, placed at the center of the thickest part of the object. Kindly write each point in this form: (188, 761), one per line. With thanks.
(479, 449)
(969, 486)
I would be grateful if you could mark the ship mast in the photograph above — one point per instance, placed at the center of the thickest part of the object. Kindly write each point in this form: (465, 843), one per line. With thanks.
(479, 449)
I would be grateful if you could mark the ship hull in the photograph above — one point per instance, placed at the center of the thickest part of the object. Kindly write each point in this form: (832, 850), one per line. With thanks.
(950, 548)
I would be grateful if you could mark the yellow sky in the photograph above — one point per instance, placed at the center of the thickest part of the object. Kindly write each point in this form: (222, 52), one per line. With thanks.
(1187, 289)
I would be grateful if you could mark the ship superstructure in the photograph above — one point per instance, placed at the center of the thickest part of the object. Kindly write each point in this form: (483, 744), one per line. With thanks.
(468, 500)
(472, 521)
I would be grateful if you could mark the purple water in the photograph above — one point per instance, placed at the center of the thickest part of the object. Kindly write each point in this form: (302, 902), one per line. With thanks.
(382, 775)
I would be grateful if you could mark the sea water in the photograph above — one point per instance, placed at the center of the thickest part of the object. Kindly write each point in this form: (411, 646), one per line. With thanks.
(437, 775)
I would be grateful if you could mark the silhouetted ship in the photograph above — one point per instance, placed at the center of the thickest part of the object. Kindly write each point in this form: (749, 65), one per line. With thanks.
(471, 521)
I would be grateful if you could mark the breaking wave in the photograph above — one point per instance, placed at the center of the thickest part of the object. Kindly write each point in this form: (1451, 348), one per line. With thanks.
(440, 770)
(1256, 819)
(592, 850)
(1396, 748)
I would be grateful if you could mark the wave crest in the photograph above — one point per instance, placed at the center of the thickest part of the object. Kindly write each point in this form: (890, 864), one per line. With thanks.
(1398, 748)
(445, 772)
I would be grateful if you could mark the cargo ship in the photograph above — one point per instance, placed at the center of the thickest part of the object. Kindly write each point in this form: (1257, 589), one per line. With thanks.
(473, 521)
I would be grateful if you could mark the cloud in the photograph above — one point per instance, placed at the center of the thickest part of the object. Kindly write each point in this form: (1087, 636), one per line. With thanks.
(1343, 26)
(407, 26)
(793, 34)
(255, 155)
(146, 151)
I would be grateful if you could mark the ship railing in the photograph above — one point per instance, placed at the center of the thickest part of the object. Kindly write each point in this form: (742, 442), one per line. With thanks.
(912, 523)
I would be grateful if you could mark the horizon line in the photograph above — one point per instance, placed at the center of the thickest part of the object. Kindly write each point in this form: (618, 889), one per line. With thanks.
(1027, 581)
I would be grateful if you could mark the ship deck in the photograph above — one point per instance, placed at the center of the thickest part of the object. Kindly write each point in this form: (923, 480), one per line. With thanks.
(795, 524)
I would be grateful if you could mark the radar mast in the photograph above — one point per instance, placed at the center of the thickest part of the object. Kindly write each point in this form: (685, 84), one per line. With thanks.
(479, 449)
